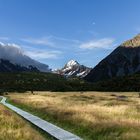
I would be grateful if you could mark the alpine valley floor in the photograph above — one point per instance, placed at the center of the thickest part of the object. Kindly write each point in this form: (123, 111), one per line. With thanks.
(13, 127)
(90, 115)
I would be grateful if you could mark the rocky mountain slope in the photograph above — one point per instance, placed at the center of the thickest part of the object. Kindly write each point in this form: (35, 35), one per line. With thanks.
(73, 68)
(16, 56)
(7, 66)
(124, 60)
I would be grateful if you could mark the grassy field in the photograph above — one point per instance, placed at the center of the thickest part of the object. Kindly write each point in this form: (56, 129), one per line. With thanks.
(12, 127)
(91, 115)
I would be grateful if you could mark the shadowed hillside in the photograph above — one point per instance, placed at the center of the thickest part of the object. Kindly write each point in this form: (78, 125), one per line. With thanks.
(124, 60)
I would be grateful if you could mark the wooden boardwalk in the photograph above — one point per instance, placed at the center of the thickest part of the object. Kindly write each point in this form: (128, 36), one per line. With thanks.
(56, 132)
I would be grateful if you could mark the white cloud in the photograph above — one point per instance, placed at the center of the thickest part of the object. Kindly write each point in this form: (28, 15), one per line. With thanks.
(104, 43)
(16, 55)
(7, 50)
(39, 41)
(42, 54)
(14, 51)
(64, 39)
(52, 41)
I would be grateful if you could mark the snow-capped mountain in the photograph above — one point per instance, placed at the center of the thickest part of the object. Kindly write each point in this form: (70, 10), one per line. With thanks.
(124, 60)
(14, 54)
(73, 68)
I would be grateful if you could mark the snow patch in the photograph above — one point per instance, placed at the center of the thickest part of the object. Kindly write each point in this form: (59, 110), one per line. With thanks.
(71, 63)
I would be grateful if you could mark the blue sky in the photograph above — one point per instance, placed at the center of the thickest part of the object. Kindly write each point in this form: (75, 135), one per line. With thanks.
(55, 31)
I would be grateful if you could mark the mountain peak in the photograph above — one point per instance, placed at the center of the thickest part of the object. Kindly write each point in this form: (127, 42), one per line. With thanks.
(132, 43)
(72, 63)
(73, 68)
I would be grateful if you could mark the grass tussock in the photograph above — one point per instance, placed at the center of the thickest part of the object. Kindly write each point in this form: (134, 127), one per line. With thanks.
(91, 115)
(12, 127)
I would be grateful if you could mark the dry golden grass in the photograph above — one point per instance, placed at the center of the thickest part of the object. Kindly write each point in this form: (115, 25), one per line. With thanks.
(92, 115)
(12, 127)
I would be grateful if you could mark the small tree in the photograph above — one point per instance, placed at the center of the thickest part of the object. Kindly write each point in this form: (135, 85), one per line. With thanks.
(1, 92)
(6, 93)
(139, 94)
(32, 92)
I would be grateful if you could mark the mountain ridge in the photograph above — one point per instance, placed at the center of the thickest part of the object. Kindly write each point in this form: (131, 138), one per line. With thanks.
(132, 43)
(15, 55)
(7, 66)
(124, 60)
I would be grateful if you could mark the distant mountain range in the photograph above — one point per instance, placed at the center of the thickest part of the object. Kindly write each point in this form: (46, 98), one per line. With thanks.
(124, 60)
(7, 66)
(12, 58)
(73, 68)
(119, 71)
